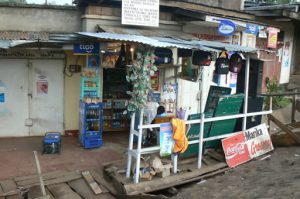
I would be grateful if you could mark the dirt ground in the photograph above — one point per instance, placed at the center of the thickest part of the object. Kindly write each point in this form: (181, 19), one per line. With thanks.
(275, 177)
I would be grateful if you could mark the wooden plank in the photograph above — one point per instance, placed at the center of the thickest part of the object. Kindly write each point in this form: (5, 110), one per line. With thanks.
(104, 185)
(83, 189)
(53, 175)
(62, 191)
(49, 193)
(45, 176)
(174, 180)
(39, 173)
(91, 182)
(284, 128)
(35, 192)
(61, 179)
(216, 155)
(294, 125)
(209, 161)
(1, 192)
(7, 186)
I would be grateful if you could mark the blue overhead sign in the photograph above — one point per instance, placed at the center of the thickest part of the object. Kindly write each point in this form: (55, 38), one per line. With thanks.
(226, 27)
(252, 29)
(86, 48)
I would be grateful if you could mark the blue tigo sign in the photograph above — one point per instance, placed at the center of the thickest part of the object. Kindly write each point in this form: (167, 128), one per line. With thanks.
(88, 48)
(251, 29)
(2, 99)
(226, 27)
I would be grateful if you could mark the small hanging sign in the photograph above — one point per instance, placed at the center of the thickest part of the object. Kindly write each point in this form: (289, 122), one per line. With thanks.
(226, 27)
(252, 29)
(272, 37)
(86, 48)
(2, 92)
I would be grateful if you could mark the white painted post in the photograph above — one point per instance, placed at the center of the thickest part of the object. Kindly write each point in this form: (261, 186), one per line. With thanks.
(201, 122)
(139, 147)
(175, 162)
(201, 140)
(130, 147)
(246, 92)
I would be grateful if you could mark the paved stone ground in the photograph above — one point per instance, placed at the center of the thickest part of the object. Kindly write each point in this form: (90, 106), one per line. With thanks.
(16, 154)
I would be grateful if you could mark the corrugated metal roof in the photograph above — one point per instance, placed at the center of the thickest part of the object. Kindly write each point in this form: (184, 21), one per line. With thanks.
(223, 46)
(135, 38)
(5, 44)
(170, 42)
(148, 32)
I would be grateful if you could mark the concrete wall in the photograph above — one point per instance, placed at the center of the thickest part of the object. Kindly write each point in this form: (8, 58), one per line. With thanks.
(99, 15)
(40, 18)
(72, 93)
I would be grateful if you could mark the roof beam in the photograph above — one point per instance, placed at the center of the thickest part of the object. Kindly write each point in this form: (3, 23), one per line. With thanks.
(206, 9)
(290, 14)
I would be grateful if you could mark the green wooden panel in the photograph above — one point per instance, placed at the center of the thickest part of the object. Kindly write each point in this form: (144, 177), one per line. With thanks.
(215, 92)
(193, 134)
(227, 105)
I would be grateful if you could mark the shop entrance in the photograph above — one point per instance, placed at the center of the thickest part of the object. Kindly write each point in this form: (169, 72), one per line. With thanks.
(33, 97)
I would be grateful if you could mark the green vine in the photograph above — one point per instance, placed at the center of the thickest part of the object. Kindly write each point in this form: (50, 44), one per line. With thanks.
(277, 101)
(139, 77)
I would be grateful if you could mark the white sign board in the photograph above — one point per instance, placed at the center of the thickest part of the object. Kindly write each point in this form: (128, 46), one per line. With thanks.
(286, 63)
(258, 140)
(140, 12)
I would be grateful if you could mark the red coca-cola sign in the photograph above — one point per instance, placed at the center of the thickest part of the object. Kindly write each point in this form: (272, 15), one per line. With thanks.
(247, 145)
(236, 150)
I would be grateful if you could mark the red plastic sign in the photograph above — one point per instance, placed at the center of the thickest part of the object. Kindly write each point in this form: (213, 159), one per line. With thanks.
(236, 150)
(247, 145)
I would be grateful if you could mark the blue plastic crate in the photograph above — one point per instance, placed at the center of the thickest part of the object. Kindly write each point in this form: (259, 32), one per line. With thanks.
(91, 142)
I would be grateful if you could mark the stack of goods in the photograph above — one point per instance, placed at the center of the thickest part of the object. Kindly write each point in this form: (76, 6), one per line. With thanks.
(91, 109)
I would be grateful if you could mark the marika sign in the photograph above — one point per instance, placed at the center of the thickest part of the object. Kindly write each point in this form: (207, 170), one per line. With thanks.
(140, 12)
(247, 145)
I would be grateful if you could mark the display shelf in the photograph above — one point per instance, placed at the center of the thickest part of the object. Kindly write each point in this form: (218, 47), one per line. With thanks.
(90, 87)
(91, 124)
(115, 129)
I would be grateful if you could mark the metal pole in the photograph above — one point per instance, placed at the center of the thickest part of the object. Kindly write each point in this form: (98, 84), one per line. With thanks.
(130, 147)
(139, 146)
(246, 92)
(293, 108)
(201, 122)
(201, 141)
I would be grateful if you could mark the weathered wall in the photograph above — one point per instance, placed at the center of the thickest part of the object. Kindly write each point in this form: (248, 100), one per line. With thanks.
(40, 18)
(227, 4)
(296, 60)
(72, 93)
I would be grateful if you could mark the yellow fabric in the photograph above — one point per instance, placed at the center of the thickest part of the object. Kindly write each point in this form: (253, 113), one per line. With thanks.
(181, 141)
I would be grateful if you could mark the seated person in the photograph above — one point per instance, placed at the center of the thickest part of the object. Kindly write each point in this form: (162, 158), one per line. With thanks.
(161, 117)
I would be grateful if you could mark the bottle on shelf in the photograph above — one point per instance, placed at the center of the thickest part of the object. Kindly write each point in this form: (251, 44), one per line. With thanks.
(121, 62)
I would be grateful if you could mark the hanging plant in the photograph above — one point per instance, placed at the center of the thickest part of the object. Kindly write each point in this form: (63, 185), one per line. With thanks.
(139, 77)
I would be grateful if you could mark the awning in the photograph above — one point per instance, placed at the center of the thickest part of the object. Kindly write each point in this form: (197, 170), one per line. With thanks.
(155, 42)
(147, 32)
(165, 42)
(224, 46)
(6, 44)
